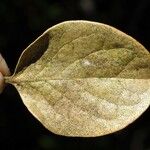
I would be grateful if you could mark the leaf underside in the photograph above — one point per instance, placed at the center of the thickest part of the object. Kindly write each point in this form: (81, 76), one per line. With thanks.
(82, 78)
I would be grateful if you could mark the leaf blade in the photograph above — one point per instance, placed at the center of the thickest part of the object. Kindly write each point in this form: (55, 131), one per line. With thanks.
(90, 80)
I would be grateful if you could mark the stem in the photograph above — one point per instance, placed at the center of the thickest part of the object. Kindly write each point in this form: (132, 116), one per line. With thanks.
(8, 79)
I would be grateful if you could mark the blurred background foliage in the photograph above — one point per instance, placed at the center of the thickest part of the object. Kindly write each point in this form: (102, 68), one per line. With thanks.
(21, 22)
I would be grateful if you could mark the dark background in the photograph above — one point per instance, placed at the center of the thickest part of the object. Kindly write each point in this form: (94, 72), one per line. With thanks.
(21, 22)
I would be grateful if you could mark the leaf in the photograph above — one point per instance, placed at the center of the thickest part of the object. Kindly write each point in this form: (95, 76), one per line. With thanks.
(82, 78)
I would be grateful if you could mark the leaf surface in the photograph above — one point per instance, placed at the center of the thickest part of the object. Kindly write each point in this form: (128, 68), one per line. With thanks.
(82, 78)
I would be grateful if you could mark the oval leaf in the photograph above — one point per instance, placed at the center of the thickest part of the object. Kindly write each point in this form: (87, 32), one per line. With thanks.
(83, 78)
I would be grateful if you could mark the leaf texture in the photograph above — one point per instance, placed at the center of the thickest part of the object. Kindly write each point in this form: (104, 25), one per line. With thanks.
(82, 78)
